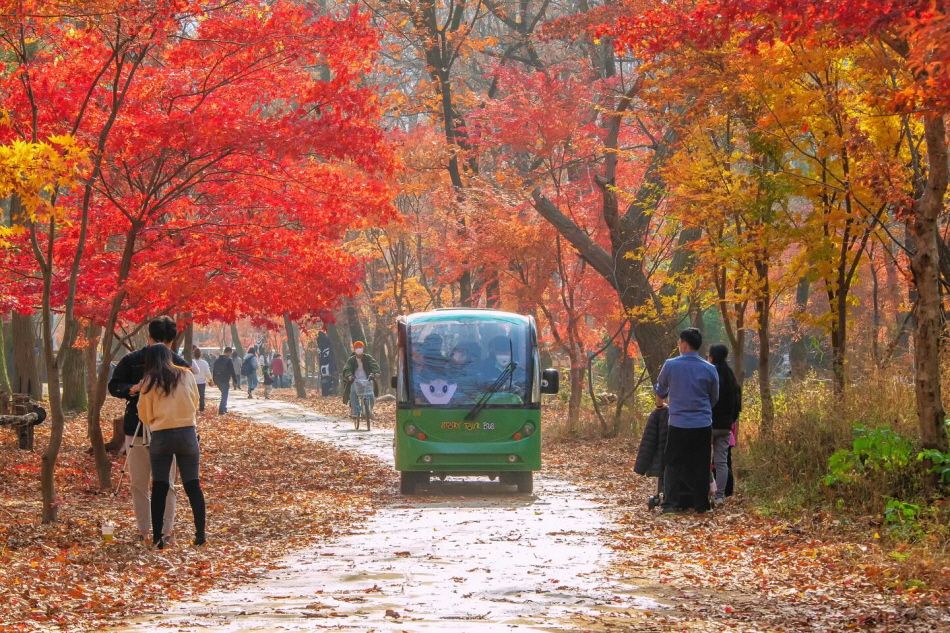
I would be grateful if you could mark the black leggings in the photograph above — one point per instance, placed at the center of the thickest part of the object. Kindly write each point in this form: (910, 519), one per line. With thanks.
(195, 497)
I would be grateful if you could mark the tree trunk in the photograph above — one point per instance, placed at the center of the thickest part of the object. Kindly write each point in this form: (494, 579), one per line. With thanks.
(924, 263)
(798, 352)
(57, 421)
(94, 415)
(293, 348)
(577, 393)
(357, 333)
(236, 341)
(765, 388)
(4, 376)
(26, 376)
(189, 339)
(839, 338)
(74, 379)
(338, 346)
(380, 334)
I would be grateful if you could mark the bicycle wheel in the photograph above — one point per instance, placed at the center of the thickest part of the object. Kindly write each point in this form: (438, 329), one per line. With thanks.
(367, 412)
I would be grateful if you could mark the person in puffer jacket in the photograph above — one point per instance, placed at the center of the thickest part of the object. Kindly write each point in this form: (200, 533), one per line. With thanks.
(650, 455)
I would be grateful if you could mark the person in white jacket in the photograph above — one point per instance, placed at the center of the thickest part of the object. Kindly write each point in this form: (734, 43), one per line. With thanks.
(199, 367)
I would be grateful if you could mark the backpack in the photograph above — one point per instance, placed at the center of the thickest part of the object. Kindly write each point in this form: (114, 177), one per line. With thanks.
(247, 367)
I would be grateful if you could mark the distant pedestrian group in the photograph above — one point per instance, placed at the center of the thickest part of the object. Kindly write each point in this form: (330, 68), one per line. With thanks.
(690, 433)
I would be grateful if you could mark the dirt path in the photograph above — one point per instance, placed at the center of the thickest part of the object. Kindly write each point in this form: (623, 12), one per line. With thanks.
(467, 556)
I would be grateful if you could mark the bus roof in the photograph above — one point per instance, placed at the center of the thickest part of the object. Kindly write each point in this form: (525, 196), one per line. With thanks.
(465, 314)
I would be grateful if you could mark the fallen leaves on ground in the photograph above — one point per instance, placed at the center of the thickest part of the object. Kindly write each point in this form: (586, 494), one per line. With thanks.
(268, 491)
(735, 570)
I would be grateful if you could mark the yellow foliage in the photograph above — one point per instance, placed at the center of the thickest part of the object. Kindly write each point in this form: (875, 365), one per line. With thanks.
(38, 172)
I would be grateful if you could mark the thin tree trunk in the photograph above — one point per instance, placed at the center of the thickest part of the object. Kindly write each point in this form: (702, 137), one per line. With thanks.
(765, 389)
(798, 352)
(26, 376)
(94, 417)
(577, 393)
(380, 334)
(293, 349)
(236, 341)
(4, 376)
(189, 339)
(74, 379)
(925, 263)
(839, 339)
(357, 333)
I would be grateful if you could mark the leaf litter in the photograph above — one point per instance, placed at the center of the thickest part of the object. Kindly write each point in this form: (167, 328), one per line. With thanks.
(269, 491)
(734, 570)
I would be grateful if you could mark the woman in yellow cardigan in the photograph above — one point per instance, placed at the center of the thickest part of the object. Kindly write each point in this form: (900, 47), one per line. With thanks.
(167, 406)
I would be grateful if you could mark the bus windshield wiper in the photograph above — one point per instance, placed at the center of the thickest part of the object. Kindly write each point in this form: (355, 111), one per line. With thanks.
(506, 373)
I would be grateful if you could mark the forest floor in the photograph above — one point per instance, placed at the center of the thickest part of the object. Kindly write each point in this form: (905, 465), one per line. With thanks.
(734, 569)
(583, 553)
(263, 501)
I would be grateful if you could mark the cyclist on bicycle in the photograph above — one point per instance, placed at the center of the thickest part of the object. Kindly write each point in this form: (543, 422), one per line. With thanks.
(360, 366)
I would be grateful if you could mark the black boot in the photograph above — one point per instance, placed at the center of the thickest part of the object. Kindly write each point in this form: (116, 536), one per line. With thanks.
(159, 495)
(197, 500)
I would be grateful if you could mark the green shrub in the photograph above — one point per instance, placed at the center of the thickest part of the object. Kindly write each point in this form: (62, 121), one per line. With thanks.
(871, 450)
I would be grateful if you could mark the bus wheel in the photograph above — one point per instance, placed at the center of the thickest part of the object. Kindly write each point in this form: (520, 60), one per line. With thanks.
(408, 481)
(524, 481)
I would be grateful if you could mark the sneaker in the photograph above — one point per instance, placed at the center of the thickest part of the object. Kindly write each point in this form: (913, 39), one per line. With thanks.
(718, 502)
(200, 540)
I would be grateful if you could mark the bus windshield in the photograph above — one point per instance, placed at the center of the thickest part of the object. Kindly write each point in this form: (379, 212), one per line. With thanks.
(455, 362)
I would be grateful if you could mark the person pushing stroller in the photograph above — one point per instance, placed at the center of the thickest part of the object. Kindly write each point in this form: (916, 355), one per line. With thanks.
(651, 455)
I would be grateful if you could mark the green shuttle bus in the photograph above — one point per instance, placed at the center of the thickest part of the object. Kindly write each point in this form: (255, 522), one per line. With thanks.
(468, 389)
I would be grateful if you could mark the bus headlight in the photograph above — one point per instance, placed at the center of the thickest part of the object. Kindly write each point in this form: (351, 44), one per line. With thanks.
(411, 429)
(512, 459)
(427, 459)
(527, 429)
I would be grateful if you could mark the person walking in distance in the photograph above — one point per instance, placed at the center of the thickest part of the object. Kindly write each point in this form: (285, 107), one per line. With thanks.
(126, 383)
(199, 367)
(277, 369)
(692, 387)
(168, 404)
(238, 361)
(223, 375)
(249, 369)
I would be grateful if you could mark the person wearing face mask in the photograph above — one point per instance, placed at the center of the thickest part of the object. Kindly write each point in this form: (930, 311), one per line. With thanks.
(359, 366)
(499, 355)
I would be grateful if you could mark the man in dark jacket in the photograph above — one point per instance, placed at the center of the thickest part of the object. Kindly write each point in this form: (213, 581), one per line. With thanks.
(125, 384)
(222, 373)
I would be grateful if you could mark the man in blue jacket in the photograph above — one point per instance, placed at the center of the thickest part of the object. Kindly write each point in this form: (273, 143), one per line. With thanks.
(691, 385)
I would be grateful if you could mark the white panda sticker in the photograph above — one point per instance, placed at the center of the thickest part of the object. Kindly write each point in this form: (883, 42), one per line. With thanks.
(438, 391)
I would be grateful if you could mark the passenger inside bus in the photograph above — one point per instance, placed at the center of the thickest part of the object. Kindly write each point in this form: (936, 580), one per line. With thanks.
(499, 355)
(429, 366)
(479, 356)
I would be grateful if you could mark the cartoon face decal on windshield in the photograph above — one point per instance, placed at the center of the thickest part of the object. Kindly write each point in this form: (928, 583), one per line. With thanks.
(438, 391)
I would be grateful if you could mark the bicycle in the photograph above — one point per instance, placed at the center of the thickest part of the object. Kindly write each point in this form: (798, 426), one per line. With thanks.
(365, 396)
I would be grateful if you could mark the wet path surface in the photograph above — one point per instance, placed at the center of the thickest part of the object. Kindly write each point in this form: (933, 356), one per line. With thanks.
(462, 555)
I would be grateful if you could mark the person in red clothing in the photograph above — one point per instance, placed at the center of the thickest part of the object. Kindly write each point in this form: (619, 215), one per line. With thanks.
(277, 369)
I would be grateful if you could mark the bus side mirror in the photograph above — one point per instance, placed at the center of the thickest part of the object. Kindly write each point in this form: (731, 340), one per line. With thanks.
(550, 381)
(392, 382)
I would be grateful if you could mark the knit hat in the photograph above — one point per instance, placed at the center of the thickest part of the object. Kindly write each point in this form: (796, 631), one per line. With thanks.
(358, 344)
